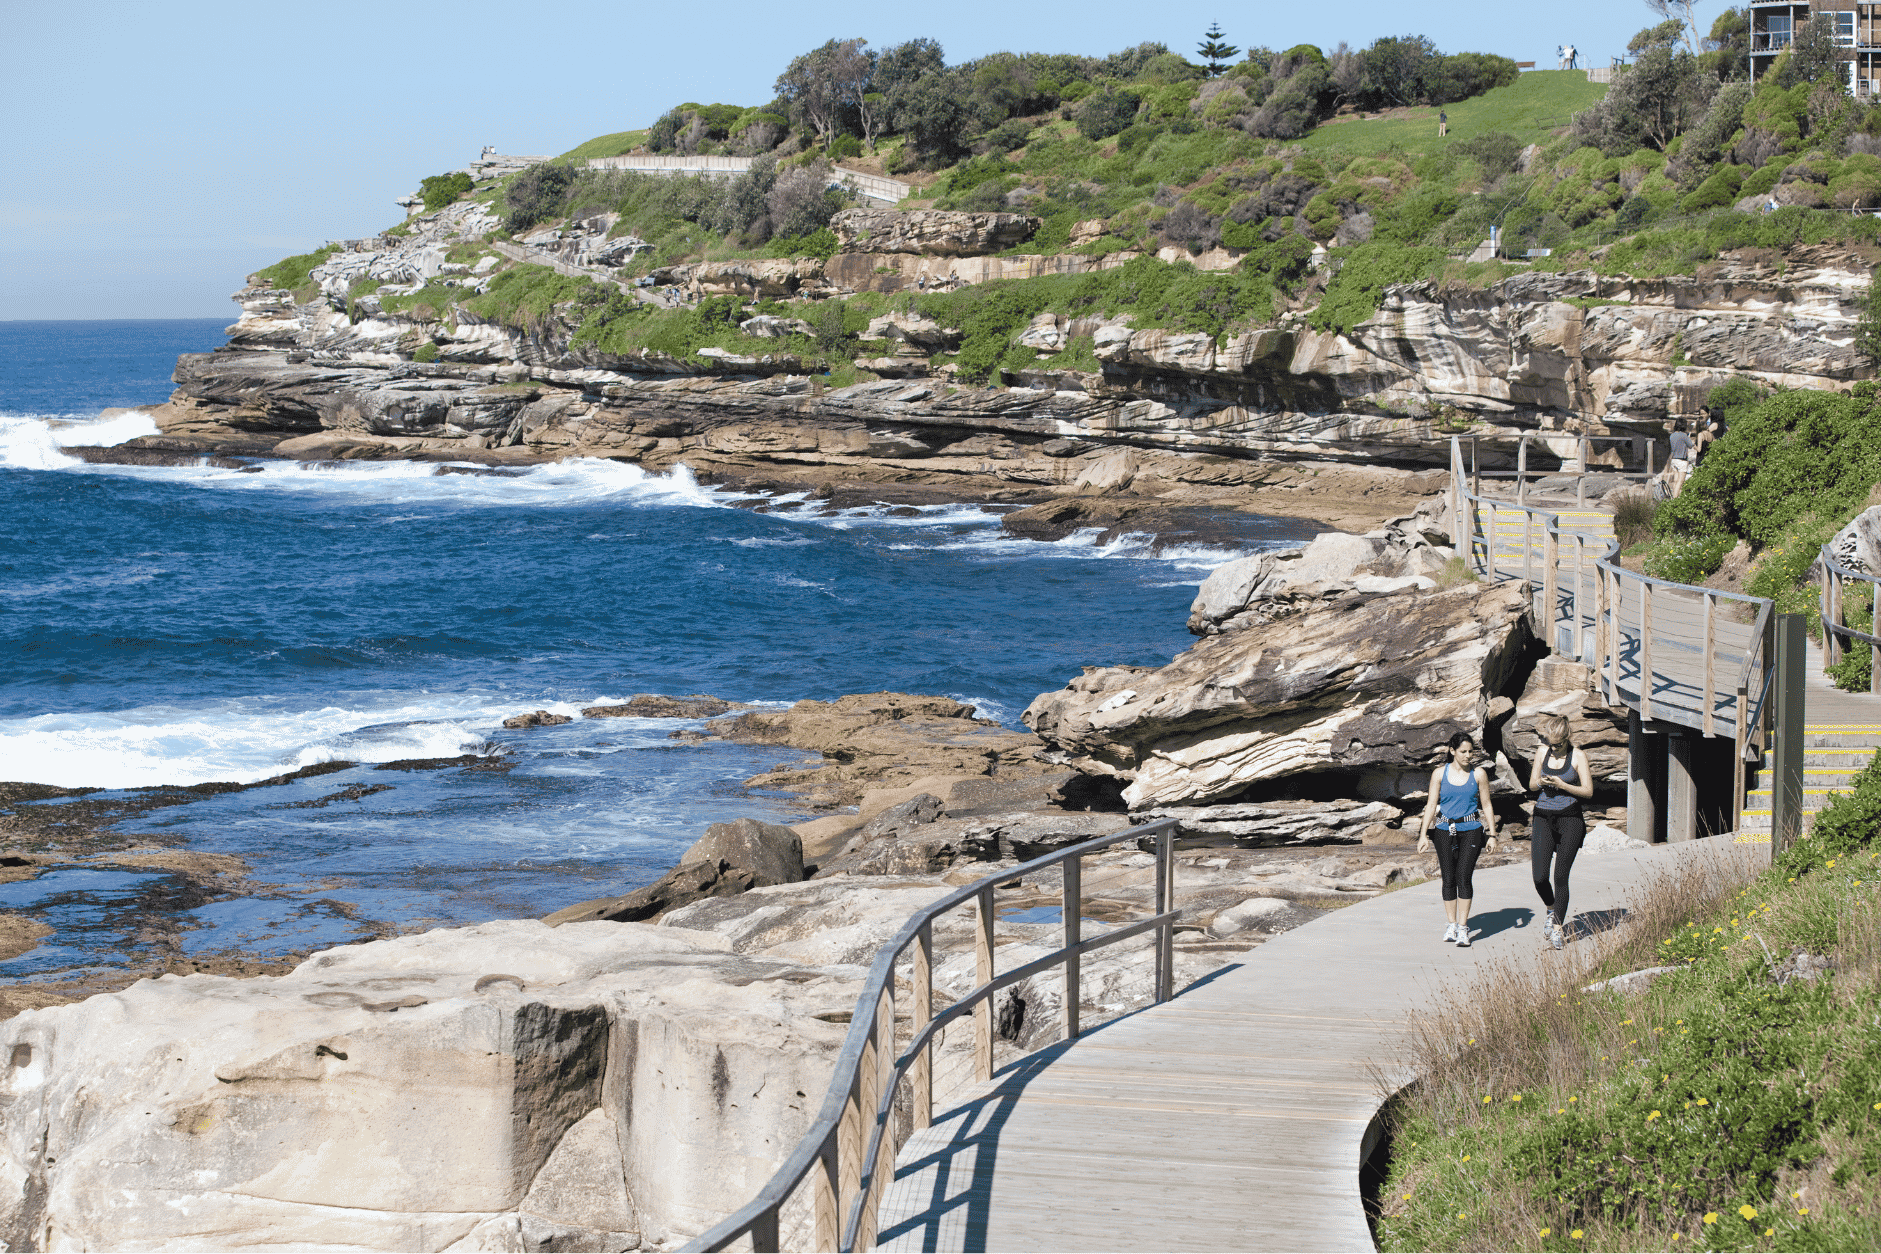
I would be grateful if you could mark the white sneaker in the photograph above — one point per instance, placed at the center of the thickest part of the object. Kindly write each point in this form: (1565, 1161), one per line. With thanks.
(1556, 937)
(1449, 932)
(1462, 936)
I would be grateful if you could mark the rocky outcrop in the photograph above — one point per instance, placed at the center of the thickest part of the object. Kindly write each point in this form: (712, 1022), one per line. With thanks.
(881, 740)
(1334, 567)
(1374, 683)
(656, 705)
(930, 232)
(731, 858)
(1858, 545)
(503, 1087)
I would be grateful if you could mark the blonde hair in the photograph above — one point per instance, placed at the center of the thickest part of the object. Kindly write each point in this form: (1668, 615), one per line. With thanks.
(1552, 728)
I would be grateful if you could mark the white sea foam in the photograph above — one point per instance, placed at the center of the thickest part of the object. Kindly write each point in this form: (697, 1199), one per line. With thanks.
(35, 442)
(38, 441)
(246, 739)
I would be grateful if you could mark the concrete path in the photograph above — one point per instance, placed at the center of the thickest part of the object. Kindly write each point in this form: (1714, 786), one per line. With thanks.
(1235, 1116)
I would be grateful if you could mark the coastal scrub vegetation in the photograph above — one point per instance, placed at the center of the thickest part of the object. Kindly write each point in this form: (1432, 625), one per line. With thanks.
(1734, 1103)
(1792, 469)
(1332, 155)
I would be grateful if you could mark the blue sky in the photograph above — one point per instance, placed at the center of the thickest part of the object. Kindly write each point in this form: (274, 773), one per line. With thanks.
(162, 151)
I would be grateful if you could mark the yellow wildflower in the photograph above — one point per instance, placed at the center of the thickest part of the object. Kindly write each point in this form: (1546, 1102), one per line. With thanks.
(1747, 1211)
(1711, 1216)
(1576, 1234)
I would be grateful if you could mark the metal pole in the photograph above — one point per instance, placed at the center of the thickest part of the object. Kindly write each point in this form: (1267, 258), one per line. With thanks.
(1073, 906)
(1165, 895)
(1786, 795)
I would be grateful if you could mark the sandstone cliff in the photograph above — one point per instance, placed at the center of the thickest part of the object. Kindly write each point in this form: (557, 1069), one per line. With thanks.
(329, 374)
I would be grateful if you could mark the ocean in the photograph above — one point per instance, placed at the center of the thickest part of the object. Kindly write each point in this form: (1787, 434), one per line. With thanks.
(165, 626)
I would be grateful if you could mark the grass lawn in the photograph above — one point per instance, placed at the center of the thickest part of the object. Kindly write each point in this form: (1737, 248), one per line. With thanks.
(1536, 103)
(615, 145)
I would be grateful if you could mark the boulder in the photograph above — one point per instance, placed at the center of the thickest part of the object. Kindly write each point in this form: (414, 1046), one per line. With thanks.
(1254, 591)
(729, 859)
(536, 718)
(507, 1086)
(920, 809)
(931, 232)
(770, 327)
(1858, 545)
(654, 705)
(1381, 682)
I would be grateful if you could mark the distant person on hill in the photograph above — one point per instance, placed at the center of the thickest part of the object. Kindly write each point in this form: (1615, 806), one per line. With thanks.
(1562, 780)
(1465, 825)
(1443, 124)
(1710, 431)
(1672, 478)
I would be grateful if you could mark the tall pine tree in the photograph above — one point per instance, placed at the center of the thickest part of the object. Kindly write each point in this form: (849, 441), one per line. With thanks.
(1214, 51)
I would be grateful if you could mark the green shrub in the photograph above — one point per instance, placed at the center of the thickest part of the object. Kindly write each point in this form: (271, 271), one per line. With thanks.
(845, 146)
(1689, 559)
(291, 273)
(535, 194)
(428, 351)
(1798, 453)
(441, 189)
(1105, 113)
(820, 243)
(1721, 188)
(1368, 269)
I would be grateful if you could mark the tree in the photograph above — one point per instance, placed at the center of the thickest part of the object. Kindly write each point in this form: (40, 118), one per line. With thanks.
(1727, 49)
(1213, 51)
(1814, 56)
(1395, 70)
(1679, 11)
(905, 64)
(820, 86)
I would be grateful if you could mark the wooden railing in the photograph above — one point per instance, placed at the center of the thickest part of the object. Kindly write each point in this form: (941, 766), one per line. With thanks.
(1835, 628)
(1652, 646)
(848, 1155)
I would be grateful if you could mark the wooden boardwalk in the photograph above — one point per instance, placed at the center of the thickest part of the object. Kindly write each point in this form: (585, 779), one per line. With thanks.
(1236, 1116)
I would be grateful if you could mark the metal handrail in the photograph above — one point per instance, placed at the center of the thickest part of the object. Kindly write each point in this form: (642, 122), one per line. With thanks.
(1835, 623)
(868, 1072)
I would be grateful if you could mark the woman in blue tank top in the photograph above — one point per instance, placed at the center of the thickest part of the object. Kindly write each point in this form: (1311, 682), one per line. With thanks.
(1458, 818)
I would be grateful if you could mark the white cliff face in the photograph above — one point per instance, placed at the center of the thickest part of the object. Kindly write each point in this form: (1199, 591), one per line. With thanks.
(508, 1086)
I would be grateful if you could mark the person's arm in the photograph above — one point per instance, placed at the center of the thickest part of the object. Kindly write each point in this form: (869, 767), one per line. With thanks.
(1488, 810)
(1534, 772)
(1430, 810)
(1585, 788)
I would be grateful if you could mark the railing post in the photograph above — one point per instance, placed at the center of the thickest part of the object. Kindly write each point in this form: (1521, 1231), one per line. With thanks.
(1528, 555)
(983, 972)
(1711, 676)
(1072, 907)
(1489, 543)
(1580, 601)
(1551, 580)
(1521, 470)
(1645, 650)
(1741, 737)
(1165, 897)
(922, 985)
(828, 1201)
(1786, 761)
(1602, 654)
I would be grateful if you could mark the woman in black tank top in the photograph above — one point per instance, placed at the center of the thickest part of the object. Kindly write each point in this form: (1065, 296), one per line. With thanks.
(1562, 780)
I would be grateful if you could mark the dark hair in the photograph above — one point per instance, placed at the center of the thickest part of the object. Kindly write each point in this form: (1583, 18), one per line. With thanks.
(1463, 738)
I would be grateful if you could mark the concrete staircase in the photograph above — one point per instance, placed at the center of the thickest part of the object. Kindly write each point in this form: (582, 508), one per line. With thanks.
(1832, 756)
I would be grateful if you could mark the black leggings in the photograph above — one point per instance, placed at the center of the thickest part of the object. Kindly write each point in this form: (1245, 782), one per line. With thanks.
(1557, 837)
(1456, 856)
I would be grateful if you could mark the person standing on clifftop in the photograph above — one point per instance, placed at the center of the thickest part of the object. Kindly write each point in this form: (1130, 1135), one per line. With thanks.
(1562, 780)
(1465, 826)
(1443, 124)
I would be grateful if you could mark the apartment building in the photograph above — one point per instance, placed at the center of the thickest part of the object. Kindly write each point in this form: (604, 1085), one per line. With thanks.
(1857, 28)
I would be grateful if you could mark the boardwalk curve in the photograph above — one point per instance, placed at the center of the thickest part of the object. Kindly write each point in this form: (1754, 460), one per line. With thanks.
(1236, 1116)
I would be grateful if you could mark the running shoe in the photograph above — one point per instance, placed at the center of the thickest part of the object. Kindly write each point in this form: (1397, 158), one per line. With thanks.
(1555, 936)
(1449, 931)
(1462, 937)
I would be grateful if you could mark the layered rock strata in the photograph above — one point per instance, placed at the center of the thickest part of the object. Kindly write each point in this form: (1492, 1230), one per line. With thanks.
(326, 373)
